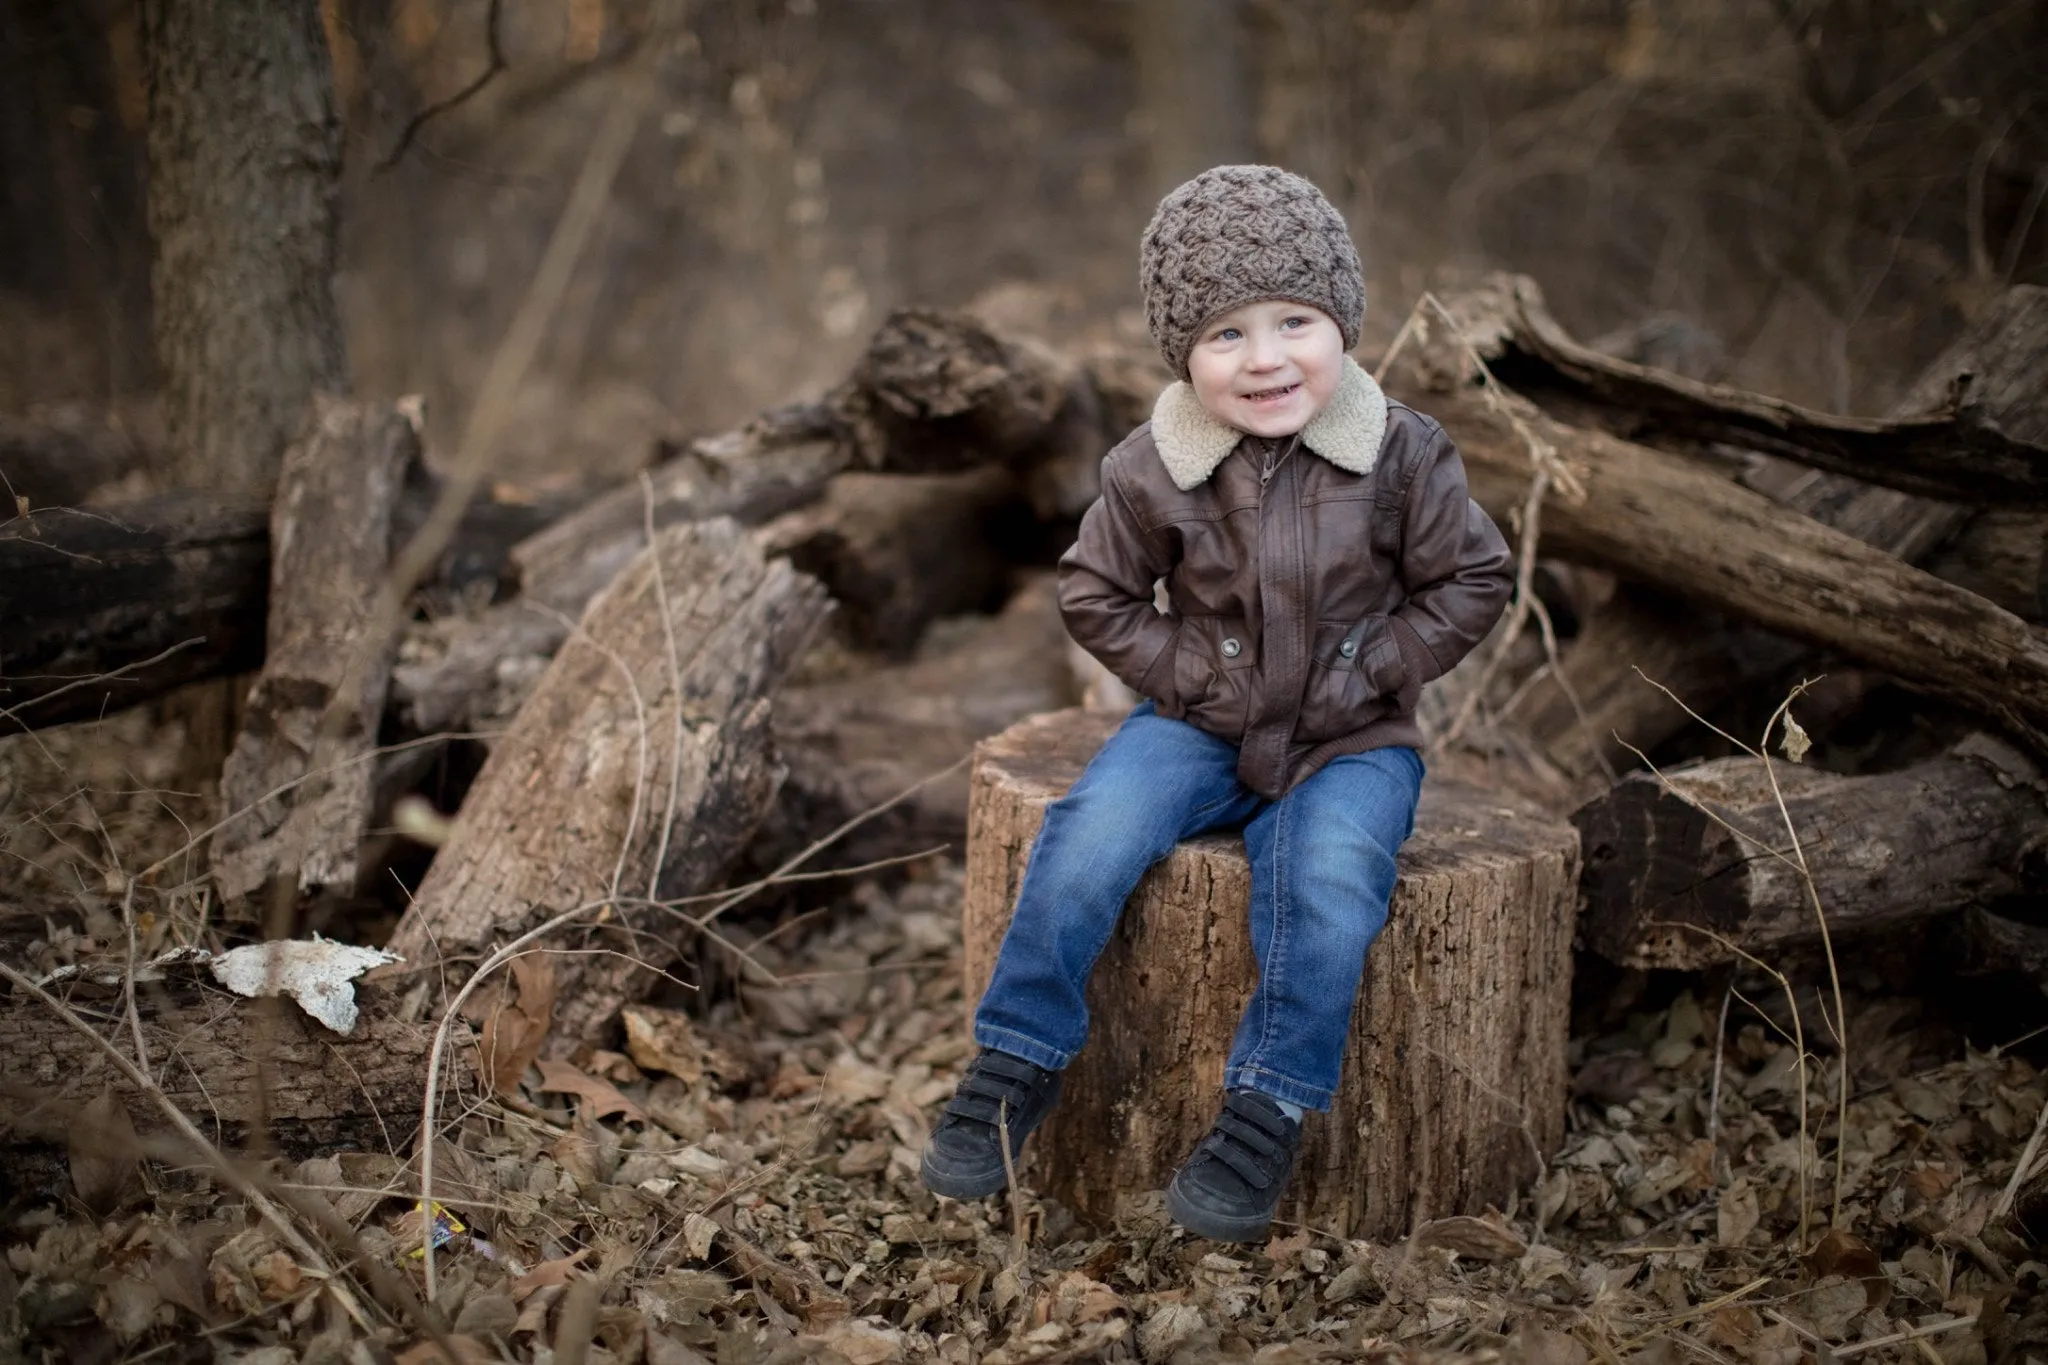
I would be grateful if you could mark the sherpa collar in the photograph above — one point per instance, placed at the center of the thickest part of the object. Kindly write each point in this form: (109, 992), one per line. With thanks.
(1347, 433)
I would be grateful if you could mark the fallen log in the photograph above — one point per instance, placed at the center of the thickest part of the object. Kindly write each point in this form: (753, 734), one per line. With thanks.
(237, 1068)
(1958, 448)
(1665, 521)
(1587, 721)
(1998, 554)
(1682, 871)
(934, 393)
(1453, 1084)
(331, 533)
(463, 670)
(637, 770)
(853, 743)
(898, 551)
(91, 597)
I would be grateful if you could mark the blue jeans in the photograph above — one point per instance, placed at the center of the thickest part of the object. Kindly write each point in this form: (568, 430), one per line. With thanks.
(1322, 860)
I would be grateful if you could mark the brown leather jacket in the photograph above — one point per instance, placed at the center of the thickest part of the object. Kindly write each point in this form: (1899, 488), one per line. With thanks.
(1315, 582)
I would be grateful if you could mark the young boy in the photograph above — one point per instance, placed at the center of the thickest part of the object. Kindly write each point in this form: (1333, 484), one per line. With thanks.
(1323, 561)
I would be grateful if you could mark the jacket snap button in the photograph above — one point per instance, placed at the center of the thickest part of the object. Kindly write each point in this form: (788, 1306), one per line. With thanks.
(1348, 648)
(1231, 648)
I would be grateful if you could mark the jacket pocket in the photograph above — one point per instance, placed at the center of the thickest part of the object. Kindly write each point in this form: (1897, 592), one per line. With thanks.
(1353, 673)
(1212, 671)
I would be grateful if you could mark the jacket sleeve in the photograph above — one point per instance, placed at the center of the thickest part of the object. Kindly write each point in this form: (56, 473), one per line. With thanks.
(1105, 591)
(1456, 566)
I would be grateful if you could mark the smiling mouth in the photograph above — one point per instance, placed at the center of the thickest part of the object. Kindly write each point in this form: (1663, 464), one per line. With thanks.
(1271, 395)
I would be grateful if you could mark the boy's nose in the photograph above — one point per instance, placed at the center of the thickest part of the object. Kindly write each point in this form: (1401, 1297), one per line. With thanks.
(1264, 352)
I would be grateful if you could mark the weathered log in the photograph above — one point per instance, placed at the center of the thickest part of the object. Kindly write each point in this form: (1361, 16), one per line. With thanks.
(88, 593)
(1682, 871)
(236, 1067)
(898, 551)
(1589, 718)
(934, 393)
(853, 743)
(298, 780)
(638, 768)
(1959, 448)
(1998, 554)
(460, 670)
(1663, 520)
(1453, 1083)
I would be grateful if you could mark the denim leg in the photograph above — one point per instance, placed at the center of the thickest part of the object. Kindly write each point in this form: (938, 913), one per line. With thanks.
(1322, 861)
(1153, 783)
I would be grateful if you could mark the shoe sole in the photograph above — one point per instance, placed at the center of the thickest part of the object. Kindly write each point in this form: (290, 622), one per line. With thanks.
(1217, 1227)
(978, 1185)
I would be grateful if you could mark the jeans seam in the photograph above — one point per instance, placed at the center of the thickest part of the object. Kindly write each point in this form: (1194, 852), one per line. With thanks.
(1276, 964)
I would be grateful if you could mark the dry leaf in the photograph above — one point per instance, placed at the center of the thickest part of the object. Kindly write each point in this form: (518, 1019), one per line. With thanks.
(277, 1275)
(698, 1234)
(1795, 741)
(468, 1350)
(1846, 1254)
(318, 973)
(104, 1154)
(1481, 1239)
(663, 1040)
(1167, 1329)
(603, 1097)
(556, 1272)
(512, 1032)
(1737, 1215)
(862, 1343)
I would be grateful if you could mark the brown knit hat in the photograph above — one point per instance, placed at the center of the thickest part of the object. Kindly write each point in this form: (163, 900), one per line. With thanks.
(1238, 234)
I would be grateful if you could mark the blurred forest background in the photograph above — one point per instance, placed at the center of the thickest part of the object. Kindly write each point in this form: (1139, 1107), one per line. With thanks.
(1805, 197)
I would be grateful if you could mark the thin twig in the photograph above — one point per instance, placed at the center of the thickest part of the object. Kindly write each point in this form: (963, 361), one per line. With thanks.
(1856, 1348)
(419, 120)
(2026, 1163)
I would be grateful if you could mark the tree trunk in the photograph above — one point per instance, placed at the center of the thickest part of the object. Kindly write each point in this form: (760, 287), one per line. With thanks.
(1453, 1084)
(244, 156)
(331, 528)
(1666, 873)
(639, 767)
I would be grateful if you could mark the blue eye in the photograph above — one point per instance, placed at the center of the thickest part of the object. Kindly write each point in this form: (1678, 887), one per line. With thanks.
(1295, 322)
(1228, 334)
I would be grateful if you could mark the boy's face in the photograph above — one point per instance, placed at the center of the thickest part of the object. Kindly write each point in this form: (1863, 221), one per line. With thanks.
(1267, 367)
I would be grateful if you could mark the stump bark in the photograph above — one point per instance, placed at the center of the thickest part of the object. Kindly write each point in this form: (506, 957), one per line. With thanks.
(1454, 1075)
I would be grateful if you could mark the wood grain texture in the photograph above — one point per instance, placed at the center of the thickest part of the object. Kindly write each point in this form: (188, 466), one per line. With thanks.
(1453, 1077)
(613, 781)
(232, 1065)
(1664, 863)
(331, 539)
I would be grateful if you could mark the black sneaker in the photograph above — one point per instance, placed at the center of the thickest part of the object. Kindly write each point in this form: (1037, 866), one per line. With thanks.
(963, 1158)
(1229, 1188)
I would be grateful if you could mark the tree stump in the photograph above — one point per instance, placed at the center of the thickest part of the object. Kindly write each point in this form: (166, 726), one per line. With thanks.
(1454, 1076)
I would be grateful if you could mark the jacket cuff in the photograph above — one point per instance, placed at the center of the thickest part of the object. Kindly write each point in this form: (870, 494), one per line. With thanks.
(1418, 665)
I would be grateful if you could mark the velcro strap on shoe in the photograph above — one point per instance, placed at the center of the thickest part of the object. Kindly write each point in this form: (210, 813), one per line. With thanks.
(1249, 1170)
(1257, 1139)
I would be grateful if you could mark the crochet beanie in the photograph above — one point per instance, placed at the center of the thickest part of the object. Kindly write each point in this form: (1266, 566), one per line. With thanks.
(1238, 234)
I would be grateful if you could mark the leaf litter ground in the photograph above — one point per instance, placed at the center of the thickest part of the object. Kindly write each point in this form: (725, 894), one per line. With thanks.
(739, 1186)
